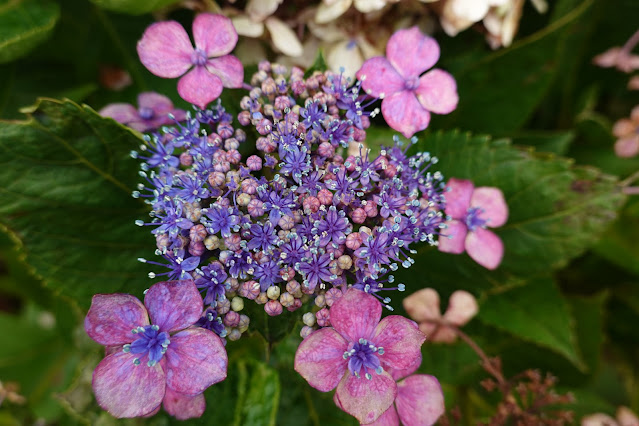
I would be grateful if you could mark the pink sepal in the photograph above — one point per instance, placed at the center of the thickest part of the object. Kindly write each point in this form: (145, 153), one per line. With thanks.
(420, 400)
(437, 92)
(379, 78)
(355, 315)
(403, 112)
(401, 340)
(485, 248)
(112, 317)
(365, 399)
(214, 34)
(491, 201)
(412, 52)
(453, 239)
(458, 196)
(165, 49)
(319, 359)
(200, 87)
(174, 305)
(184, 407)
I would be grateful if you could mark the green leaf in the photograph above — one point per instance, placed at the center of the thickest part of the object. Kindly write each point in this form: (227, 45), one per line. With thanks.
(619, 243)
(556, 209)
(318, 65)
(536, 312)
(556, 142)
(133, 7)
(588, 313)
(499, 93)
(65, 194)
(24, 24)
(262, 397)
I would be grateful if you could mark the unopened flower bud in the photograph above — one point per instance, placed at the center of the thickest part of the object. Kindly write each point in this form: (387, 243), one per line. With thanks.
(261, 298)
(320, 301)
(358, 215)
(244, 323)
(232, 242)
(196, 248)
(294, 288)
(254, 163)
(287, 273)
(309, 319)
(249, 289)
(244, 118)
(286, 222)
(243, 199)
(223, 306)
(255, 208)
(325, 197)
(295, 306)
(287, 299)
(345, 262)
(232, 319)
(354, 241)
(306, 331)
(322, 317)
(234, 335)
(311, 204)
(332, 295)
(237, 304)
(186, 159)
(370, 209)
(216, 179)
(273, 292)
(273, 308)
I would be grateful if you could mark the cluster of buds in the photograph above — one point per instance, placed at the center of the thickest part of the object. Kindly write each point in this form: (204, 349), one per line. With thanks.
(296, 219)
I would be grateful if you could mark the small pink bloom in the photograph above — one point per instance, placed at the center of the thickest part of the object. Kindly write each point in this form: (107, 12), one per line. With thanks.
(357, 352)
(166, 51)
(472, 210)
(152, 112)
(619, 58)
(153, 354)
(423, 307)
(408, 99)
(627, 132)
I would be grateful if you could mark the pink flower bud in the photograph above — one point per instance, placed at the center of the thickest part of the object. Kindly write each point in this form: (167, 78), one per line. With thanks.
(232, 319)
(371, 209)
(216, 179)
(223, 306)
(354, 240)
(249, 289)
(332, 295)
(325, 197)
(273, 308)
(244, 118)
(186, 159)
(295, 306)
(462, 306)
(254, 163)
(323, 317)
(358, 215)
(306, 331)
(311, 204)
(196, 248)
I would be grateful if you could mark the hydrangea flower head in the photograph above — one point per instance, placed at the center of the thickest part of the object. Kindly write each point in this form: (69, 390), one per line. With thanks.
(356, 354)
(152, 112)
(153, 354)
(472, 210)
(166, 51)
(408, 96)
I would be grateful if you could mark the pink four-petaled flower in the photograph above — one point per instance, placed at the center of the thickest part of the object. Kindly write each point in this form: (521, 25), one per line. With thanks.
(152, 112)
(158, 361)
(472, 210)
(166, 50)
(356, 354)
(408, 99)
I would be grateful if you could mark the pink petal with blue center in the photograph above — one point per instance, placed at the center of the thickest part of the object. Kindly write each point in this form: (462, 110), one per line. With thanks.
(485, 248)
(453, 239)
(214, 34)
(112, 317)
(437, 92)
(229, 69)
(165, 49)
(412, 52)
(403, 112)
(366, 399)
(458, 197)
(493, 205)
(174, 305)
(420, 400)
(401, 341)
(120, 112)
(184, 407)
(200, 87)
(320, 359)
(379, 78)
(125, 389)
(355, 315)
(156, 102)
(195, 360)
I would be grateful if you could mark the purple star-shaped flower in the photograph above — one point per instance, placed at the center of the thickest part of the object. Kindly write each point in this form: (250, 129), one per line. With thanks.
(154, 356)
(356, 354)
(408, 99)
(166, 51)
(472, 210)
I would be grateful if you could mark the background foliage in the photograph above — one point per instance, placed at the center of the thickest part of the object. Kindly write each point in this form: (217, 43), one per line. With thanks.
(534, 119)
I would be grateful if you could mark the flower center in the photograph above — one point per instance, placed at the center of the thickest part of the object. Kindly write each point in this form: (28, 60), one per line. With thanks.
(473, 221)
(198, 57)
(146, 113)
(412, 83)
(364, 356)
(149, 341)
